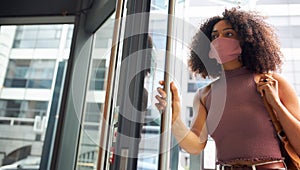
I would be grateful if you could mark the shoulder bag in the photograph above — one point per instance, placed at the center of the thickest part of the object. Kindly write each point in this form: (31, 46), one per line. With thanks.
(292, 159)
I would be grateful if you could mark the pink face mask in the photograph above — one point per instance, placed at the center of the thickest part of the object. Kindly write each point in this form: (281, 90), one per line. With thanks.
(225, 49)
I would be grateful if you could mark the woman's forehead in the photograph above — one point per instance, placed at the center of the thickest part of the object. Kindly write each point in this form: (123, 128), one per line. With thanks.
(223, 24)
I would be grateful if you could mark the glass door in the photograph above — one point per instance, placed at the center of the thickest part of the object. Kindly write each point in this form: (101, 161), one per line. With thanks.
(130, 127)
(133, 133)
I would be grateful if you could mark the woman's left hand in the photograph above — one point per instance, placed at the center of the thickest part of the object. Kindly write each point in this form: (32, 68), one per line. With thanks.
(268, 86)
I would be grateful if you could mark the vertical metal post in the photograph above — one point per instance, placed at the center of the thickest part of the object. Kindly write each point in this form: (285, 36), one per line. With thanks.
(103, 153)
(165, 139)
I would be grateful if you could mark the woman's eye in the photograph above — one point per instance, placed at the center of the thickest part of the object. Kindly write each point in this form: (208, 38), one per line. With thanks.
(229, 34)
(214, 37)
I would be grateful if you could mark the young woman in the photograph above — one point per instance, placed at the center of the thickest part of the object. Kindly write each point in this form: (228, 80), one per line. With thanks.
(244, 56)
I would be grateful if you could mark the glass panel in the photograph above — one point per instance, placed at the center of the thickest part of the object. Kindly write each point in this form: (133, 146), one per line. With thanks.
(23, 109)
(192, 13)
(38, 36)
(189, 14)
(26, 92)
(69, 36)
(37, 73)
(95, 96)
(144, 136)
(148, 151)
(42, 69)
(98, 74)
(18, 68)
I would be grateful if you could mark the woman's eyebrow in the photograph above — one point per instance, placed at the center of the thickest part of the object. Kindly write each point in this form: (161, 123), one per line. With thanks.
(229, 28)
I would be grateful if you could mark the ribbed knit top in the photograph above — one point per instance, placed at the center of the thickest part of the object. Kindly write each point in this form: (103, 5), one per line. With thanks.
(238, 121)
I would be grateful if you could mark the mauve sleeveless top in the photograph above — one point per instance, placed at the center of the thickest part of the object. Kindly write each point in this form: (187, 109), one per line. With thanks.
(238, 121)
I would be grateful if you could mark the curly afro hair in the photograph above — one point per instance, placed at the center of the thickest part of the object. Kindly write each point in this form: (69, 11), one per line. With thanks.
(259, 42)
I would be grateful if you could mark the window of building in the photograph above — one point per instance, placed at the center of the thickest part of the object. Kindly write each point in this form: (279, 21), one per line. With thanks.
(22, 108)
(29, 73)
(92, 116)
(42, 36)
(195, 82)
(93, 112)
(189, 116)
(98, 74)
(194, 86)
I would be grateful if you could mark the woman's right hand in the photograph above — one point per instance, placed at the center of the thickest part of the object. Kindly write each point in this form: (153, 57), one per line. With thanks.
(162, 103)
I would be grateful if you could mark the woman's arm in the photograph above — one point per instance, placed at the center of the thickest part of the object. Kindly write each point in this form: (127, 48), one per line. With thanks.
(282, 97)
(189, 140)
(192, 140)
